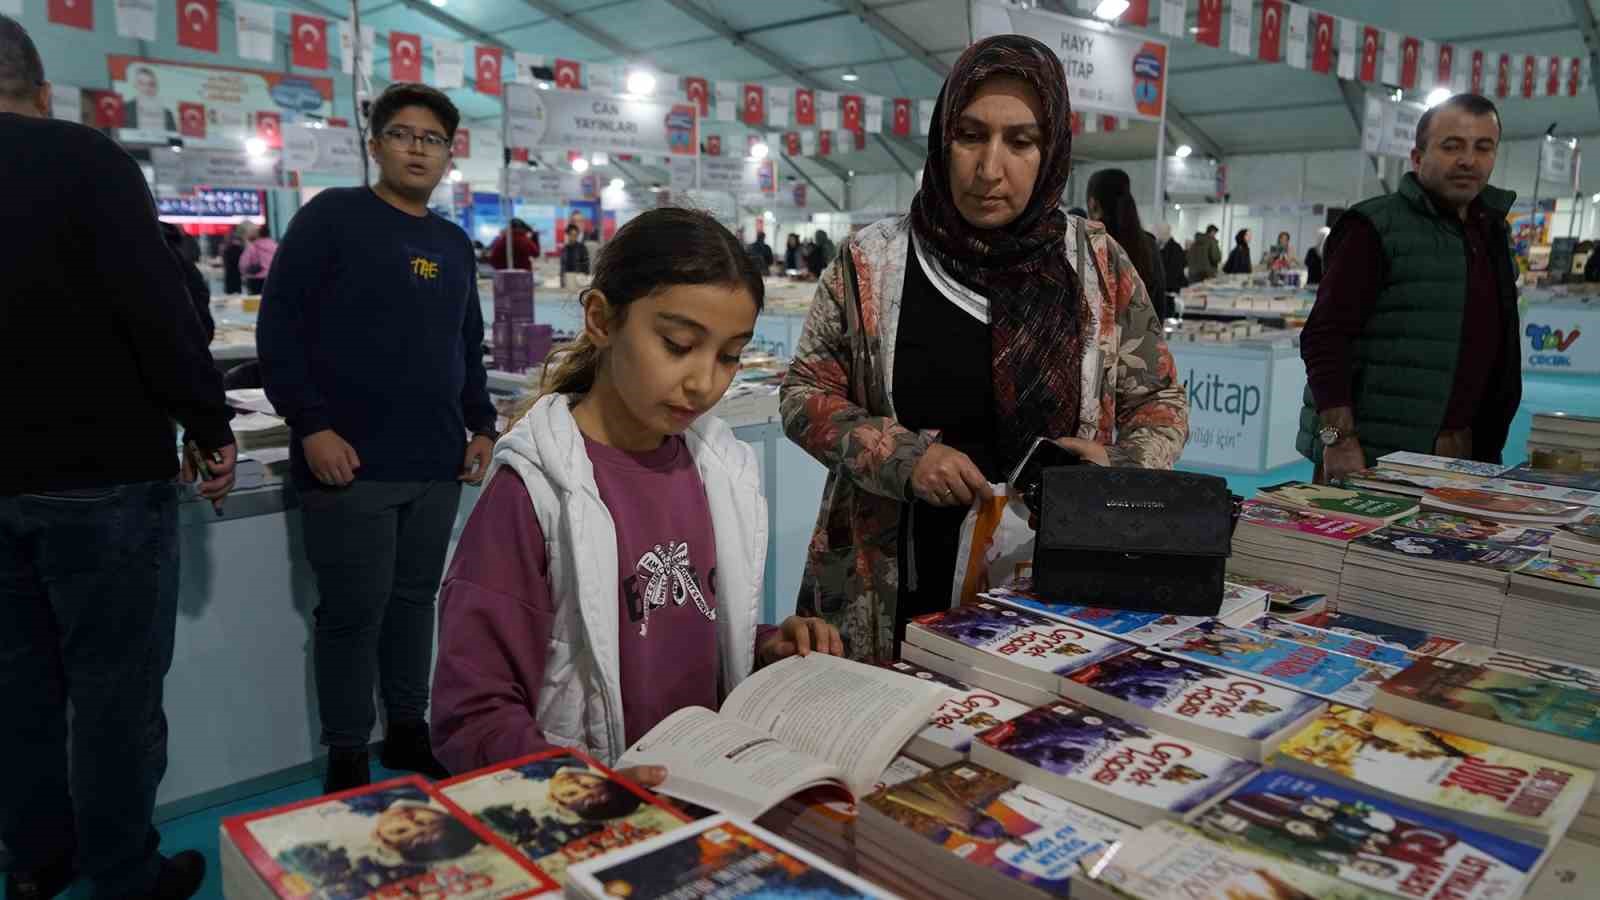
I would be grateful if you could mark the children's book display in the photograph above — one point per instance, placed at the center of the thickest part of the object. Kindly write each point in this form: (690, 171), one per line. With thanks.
(1017, 644)
(1310, 670)
(1378, 509)
(1557, 611)
(965, 712)
(1293, 546)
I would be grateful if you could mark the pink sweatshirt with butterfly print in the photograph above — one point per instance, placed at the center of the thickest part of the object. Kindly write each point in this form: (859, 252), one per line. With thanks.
(496, 611)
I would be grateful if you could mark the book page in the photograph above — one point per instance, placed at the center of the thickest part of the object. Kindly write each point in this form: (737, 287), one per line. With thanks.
(720, 763)
(847, 713)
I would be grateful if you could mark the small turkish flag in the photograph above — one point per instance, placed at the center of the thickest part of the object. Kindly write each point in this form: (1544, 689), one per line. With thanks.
(902, 117)
(338, 122)
(1322, 45)
(1502, 87)
(569, 74)
(1209, 31)
(74, 13)
(107, 108)
(269, 127)
(713, 145)
(1270, 49)
(405, 57)
(825, 143)
(486, 63)
(1138, 14)
(755, 104)
(1552, 83)
(1477, 72)
(310, 47)
(696, 90)
(197, 24)
(461, 144)
(191, 119)
(1447, 65)
(1077, 123)
(1410, 52)
(1108, 123)
(1574, 76)
(1369, 54)
(1530, 75)
(851, 104)
(805, 107)
(791, 143)
(861, 139)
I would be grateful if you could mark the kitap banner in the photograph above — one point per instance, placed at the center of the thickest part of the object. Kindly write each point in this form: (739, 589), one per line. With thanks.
(1117, 73)
(579, 120)
(216, 105)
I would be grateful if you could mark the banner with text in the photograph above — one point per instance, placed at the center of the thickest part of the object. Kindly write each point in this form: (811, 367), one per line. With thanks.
(211, 106)
(1390, 128)
(577, 120)
(182, 172)
(323, 151)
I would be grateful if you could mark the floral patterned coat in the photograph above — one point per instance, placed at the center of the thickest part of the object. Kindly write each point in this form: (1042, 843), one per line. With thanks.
(838, 404)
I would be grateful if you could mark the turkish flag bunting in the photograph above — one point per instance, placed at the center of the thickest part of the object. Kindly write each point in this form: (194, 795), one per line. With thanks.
(486, 63)
(1209, 31)
(77, 14)
(338, 122)
(1077, 123)
(1108, 123)
(569, 74)
(107, 108)
(1447, 64)
(1502, 86)
(1138, 13)
(461, 144)
(713, 145)
(1552, 84)
(851, 104)
(860, 139)
(696, 89)
(310, 47)
(191, 119)
(754, 104)
(825, 143)
(1478, 63)
(1369, 54)
(1574, 76)
(1410, 53)
(1322, 44)
(902, 117)
(805, 106)
(269, 127)
(791, 143)
(1271, 47)
(405, 57)
(1530, 75)
(197, 24)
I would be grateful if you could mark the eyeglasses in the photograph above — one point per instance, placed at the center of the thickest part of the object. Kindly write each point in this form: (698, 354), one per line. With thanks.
(401, 138)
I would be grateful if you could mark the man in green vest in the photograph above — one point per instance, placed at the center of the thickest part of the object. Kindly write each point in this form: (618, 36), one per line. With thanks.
(1412, 344)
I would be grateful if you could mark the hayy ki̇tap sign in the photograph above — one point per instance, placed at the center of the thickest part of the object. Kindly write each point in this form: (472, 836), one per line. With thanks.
(1107, 71)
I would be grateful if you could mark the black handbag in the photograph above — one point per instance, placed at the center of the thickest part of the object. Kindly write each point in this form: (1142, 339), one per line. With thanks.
(1127, 538)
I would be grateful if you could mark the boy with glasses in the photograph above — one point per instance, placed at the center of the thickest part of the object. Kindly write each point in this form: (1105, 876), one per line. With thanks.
(371, 343)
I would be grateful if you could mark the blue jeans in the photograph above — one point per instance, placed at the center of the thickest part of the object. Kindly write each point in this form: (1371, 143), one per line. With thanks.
(88, 609)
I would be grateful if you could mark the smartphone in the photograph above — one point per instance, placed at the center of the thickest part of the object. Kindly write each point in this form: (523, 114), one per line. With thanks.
(198, 460)
(1027, 479)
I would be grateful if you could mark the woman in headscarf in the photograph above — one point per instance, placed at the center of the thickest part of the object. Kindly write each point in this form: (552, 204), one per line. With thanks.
(940, 344)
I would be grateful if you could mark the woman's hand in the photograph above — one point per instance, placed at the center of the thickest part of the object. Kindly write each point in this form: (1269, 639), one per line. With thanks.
(1088, 451)
(948, 477)
(645, 776)
(800, 635)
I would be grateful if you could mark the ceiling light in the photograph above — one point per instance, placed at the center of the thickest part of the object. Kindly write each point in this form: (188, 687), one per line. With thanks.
(1398, 95)
(600, 159)
(850, 174)
(641, 83)
(768, 214)
(1595, 198)
(580, 165)
(455, 175)
(759, 150)
(437, 2)
(1178, 207)
(1110, 10)
(850, 75)
(255, 146)
(616, 184)
(1437, 96)
(544, 85)
(1183, 151)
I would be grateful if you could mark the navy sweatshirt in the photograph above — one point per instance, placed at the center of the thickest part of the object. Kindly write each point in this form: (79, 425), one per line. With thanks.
(370, 326)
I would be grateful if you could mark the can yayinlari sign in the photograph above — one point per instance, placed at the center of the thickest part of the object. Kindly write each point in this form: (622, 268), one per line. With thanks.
(579, 120)
(1110, 72)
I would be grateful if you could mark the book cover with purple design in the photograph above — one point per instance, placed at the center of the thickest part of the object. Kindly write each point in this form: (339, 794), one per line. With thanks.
(1430, 548)
(966, 712)
(1331, 640)
(1018, 637)
(1142, 628)
(1111, 754)
(1310, 670)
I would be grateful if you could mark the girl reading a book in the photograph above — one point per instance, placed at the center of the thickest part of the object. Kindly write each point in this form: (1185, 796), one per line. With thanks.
(610, 573)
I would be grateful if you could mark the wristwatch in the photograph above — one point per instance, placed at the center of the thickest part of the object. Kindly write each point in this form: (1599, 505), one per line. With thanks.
(1330, 435)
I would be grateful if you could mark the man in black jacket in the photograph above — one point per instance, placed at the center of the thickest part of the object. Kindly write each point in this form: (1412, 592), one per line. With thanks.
(88, 505)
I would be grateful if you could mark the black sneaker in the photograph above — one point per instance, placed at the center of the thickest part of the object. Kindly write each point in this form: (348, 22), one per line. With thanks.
(181, 876)
(406, 748)
(42, 884)
(347, 769)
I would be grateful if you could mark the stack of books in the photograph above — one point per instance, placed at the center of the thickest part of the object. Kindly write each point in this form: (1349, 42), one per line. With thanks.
(1414, 640)
(1468, 528)
(1437, 584)
(259, 431)
(1336, 677)
(824, 821)
(968, 711)
(1286, 600)
(966, 831)
(1377, 509)
(1578, 541)
(1553, 609)
(1239, 604)
(715, 857)
(1498, 506)
(1517, 663)
(1562, 441)
(1293, 546)
(1333, 641)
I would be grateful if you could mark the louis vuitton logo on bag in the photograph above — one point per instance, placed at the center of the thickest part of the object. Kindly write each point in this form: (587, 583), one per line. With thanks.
(1136, 504)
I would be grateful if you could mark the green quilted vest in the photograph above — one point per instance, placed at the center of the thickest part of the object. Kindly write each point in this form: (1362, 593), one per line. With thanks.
(1405, 358)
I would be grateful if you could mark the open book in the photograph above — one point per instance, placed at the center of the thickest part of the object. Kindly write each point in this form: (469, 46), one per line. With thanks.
(801, 723)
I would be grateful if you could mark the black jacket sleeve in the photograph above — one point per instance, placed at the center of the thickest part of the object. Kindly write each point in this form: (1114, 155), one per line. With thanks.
(145, 286)
(200, 296)
(297, 269)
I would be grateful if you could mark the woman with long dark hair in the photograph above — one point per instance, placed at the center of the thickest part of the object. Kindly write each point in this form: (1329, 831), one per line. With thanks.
(1111, 204)
(1239, 260)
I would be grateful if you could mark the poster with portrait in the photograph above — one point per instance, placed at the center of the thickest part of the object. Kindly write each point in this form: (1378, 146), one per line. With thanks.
(235, 101)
